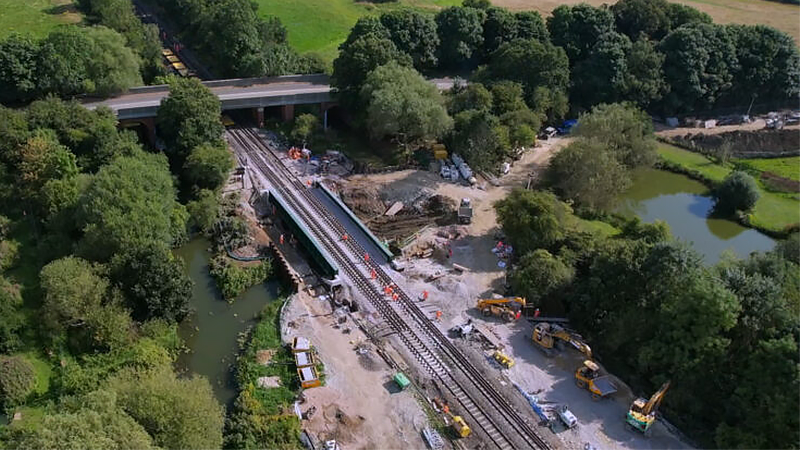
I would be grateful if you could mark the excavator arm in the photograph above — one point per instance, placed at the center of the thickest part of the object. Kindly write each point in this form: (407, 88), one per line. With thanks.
(655, 400)
(574, 340)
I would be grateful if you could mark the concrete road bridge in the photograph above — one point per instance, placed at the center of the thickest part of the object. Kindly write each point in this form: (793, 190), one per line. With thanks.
(139, 105)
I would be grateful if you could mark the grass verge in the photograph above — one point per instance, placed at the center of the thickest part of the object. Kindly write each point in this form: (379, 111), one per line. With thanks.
(776, 213)
(263, 417)
(36, 17)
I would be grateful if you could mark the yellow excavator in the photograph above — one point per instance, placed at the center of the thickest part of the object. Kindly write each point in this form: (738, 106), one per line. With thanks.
(643, 412)
(509, 308)
(546, 335)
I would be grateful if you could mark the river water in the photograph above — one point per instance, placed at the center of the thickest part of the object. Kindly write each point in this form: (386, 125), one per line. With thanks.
(212, 331)
(684, 204)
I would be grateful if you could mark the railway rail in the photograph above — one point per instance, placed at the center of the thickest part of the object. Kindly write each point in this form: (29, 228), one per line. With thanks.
(476, 395)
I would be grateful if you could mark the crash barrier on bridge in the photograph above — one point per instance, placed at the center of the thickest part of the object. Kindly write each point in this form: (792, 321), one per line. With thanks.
(384, 250)
(320, 258)
(233, 82)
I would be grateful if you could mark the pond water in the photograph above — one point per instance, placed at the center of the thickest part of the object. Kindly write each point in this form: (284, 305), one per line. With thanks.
(684, 204)
(211, 332)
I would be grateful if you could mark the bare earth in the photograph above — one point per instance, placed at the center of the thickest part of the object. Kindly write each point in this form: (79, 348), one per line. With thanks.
(601, 423)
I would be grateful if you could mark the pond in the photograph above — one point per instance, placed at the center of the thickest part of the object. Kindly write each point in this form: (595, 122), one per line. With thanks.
(684, 204)
(211, 332)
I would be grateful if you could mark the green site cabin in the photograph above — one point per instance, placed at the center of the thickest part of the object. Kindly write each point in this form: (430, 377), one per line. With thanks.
(401, 380)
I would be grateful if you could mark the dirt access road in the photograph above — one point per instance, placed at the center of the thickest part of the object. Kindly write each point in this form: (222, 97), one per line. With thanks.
(601, 423)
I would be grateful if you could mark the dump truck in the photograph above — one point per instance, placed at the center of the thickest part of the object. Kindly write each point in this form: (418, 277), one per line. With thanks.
(642, 413)
(547, 336)
(588, 377)
(465, 211)
(509, 308)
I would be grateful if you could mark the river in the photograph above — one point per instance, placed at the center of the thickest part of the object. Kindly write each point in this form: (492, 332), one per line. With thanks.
(684, 204)
(212, 331)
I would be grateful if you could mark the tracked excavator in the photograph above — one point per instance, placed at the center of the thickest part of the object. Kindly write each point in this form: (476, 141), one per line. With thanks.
(509, 308)
(547, 335)
(642, 414)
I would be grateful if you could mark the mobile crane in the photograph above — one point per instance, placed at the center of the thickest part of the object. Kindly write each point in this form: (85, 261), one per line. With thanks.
(642, 413)
(546, 335)
(509, 308)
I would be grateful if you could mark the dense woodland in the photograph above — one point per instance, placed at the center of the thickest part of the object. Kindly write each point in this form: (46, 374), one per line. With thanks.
(665, 58)
(90, 292)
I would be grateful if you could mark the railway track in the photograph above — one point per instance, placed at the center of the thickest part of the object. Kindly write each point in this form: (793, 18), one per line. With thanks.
(437, 355)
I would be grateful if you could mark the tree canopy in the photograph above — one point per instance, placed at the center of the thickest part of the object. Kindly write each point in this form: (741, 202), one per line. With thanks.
(738, 192)
(461, 35)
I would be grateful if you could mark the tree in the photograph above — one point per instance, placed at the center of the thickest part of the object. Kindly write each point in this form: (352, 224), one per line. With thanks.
(204, 211)
(789, 248)
(402, 104)
(601, 76)
(532, 219)
(576, 28)
(738, 192)
(530, 25)
(499, 27)
(359, 57)
(17, 380)
(647, 18)
(413, 33)
(769, 64)
(473, 96)
(93, 422)
(699, 66)
(541, 278)
(208, 166)
(188, 117)
(541, 68)
(79, 304)
(626, 131)
(461, 35)
(150, 398)
(304, 126)
(18, 77)
(507, 96)
(231, 34)
(475, 138)
(644, 79)
(588, 174)
(153, 282)
(127, 203)
(12, 320)
(92, 60)
(680, 14)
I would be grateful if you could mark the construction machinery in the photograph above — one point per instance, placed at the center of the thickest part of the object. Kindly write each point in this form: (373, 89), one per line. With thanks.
(460, 427)
(548, 335)
(503, 359)
(509, 308)
(465, 211)
(588, 377)
(643, 412)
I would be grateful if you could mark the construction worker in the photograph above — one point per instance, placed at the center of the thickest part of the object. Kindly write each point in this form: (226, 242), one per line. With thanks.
(536, 313)
(438, 316)
(281, 239)
(366, 257)
(395, 296)
(373, 274)
(344, 237)
(424, 296)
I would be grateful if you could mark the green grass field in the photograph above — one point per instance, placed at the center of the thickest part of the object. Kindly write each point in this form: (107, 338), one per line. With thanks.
(784, 167)
(319, 26)
(774, 211)
(36, 17)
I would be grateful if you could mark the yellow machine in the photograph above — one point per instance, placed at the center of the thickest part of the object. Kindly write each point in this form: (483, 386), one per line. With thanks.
(546, 335)
(588, 377)
(460, 427)
(503, 359)
(643, 413)
(509, 308)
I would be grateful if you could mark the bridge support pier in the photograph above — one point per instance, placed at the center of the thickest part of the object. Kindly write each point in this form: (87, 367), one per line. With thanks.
(323, 108)
(149, 124)
(258, 115)
(287, 113)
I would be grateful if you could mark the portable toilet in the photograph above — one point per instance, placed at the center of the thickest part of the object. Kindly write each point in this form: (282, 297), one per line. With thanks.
(401, 380)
